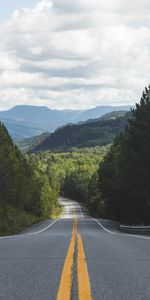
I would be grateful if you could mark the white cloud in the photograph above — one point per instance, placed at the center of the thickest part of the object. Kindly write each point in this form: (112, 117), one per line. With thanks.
(75, 54)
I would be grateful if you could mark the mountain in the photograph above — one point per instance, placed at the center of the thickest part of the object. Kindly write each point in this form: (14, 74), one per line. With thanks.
(89, 134)
(21, 130)
(109, 116)
(24, 121)
(99, 111)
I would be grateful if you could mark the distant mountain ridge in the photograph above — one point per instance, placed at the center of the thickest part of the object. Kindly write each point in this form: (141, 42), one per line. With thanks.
(21, 130)
(25, 121)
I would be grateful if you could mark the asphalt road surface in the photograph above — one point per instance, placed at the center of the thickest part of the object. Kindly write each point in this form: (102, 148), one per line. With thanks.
(74, 257)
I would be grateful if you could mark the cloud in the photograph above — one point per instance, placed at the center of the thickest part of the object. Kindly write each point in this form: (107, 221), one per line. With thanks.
(75, 54)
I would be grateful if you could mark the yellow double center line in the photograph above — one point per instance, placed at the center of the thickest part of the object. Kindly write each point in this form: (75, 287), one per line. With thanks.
(65, 286)
(84, 289)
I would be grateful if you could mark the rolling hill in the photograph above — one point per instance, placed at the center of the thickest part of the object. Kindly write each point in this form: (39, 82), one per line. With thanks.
(88, 134)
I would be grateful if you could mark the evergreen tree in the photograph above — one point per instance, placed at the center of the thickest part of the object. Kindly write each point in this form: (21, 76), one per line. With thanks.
(26, 195)
(124, 175)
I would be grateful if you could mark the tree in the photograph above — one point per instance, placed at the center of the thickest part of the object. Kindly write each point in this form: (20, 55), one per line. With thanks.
(124, 175)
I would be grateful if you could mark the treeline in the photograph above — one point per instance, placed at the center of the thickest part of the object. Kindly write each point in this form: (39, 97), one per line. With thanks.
(26, 195)
(72, 171)
(124, 176)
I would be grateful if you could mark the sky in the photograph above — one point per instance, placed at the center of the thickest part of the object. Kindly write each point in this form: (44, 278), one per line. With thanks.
(73, 54)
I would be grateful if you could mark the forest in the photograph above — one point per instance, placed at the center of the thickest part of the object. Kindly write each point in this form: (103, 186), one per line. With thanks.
(125, 172)
(73, 172)
(26, 196)
(112, 181)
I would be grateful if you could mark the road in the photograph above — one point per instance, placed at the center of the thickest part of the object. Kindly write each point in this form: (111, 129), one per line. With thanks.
(74, 257)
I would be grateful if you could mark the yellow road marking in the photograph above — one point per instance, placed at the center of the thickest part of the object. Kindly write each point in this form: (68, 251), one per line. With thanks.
(64, 291)
(65, 286)
(84, 289)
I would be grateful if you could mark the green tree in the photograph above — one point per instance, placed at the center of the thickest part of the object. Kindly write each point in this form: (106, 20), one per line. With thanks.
(124, 175)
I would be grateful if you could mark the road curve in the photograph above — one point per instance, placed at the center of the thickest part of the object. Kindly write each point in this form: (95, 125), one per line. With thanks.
(101, 262)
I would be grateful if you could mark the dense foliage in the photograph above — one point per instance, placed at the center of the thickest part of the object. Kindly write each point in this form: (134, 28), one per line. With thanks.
(89, 134)
(125, 173)
(25, 193)
(72, 171)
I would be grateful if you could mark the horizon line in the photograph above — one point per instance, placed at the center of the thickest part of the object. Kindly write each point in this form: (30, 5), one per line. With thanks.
(66, 109)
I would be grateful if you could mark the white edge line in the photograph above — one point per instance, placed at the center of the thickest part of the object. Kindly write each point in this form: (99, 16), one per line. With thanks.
(118, 233)
(81, 212)
(100, 224)
(32, 233)
(37, 232)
